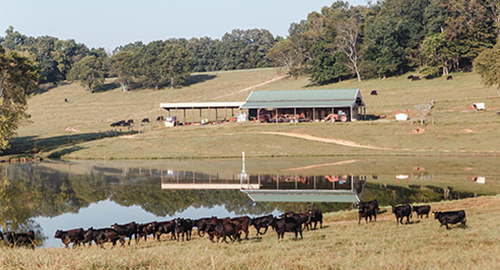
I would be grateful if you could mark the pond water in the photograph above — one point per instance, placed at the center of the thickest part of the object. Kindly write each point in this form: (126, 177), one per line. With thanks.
(55, 195)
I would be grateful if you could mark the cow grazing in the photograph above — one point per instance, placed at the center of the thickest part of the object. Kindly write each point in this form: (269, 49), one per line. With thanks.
(145, 120)
(13, 239)
(450, 217)
(159, 118)
(374, 93)
(263, 222)
(65, 100)
(92, 234)
(422, 210)
(165, 228)
(415, 78)
(287, 224)
(410, 77)
(449, 78)
(367, 210)
(146, 229)
(316, 216)
(402, 211)
(75, 236)
(127, 230)
(129, 122)
(183, 226)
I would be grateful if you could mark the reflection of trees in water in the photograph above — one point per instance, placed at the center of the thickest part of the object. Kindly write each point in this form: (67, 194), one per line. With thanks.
(28, 191)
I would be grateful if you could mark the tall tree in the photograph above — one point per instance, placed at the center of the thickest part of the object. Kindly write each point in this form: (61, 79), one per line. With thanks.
(176, 64)
(18, 78)
(124, 66)
(150, 64)
(348, 43)
(487, 64)
(89, 71)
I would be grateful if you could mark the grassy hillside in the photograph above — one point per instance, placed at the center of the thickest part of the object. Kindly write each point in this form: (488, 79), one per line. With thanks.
(341, 244)
(71, 129)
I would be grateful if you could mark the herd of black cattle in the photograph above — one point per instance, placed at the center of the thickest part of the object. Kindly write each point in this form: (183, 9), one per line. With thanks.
(225, 228)
(130, 122)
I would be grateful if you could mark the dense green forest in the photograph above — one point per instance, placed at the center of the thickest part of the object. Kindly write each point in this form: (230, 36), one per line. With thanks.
(386, 38)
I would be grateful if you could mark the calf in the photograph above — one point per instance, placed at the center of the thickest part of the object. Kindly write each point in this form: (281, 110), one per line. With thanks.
(127, 230)
(75, 236)
(402, 211)
(316, 216)
(92, 234)
(374, 93)
(183, 226)
(165, 228)
(287, 224)
(146, 229)
(101, 236)
(145, 120)
(27, 239)
(449, 78)
(422, 210)
(263, 222)
(451, 217)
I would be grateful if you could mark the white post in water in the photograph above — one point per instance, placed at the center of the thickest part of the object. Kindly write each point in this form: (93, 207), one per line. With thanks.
(243, 174)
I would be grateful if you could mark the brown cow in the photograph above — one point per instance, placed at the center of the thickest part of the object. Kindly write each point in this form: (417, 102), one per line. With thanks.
(75, 236)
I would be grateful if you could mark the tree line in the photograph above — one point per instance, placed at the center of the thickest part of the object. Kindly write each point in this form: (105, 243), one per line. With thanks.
(391, 37)
(156, 64)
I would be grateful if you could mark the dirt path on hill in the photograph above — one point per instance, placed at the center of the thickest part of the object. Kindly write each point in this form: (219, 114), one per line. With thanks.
(252, 87)
(325, 140)
(321, 165)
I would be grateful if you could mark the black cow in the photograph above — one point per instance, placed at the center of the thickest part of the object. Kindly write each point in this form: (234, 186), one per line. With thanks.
(101, 236)
(422, 210)
(130, 122)
(166, 227)
(410, 77)
(127, 230)
(367, 210)
(263, 222)
(243, 223)
(202, 225)
(449, 78)
(302, 218)
(222, 228)
(65, 100)
(415, 78)
(75, 236)
(183, 226)
(450, 217)
(402, 211)
(159, 118)
(374, 93)
(146, 229)
(287, 224)
(145, 120)
(13, 239)
(316, 216)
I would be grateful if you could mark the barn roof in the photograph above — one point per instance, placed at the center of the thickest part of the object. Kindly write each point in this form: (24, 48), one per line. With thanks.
(302, 99)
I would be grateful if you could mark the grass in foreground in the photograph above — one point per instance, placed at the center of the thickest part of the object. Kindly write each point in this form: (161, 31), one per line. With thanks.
(342, 244)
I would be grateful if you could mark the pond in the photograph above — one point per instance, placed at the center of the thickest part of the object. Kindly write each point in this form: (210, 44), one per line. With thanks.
(55, 194)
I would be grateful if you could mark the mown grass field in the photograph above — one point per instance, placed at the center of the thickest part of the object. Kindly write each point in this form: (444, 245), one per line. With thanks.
(75, 129)
(341, 244)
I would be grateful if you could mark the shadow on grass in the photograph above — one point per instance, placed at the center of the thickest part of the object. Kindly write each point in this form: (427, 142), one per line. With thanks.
(65, 151)
(48, 86)
(198, 78)
(35, 145)
(106, 87)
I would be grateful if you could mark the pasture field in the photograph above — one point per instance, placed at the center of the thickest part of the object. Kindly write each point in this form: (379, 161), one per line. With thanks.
(77, 129)
(341, 244)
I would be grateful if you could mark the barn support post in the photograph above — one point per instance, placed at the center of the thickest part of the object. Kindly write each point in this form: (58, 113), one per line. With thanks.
(332, 119)
(201, 116)
(184, 116)
(209, 114)
(295, 116)
(225, 113)
(314, 114)
(232, 112)
(276, 115)
(192, 114)
(216, 115)
(350, 114)
(258, 116)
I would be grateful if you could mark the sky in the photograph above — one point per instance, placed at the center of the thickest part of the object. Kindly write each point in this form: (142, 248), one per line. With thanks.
(111, 23)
